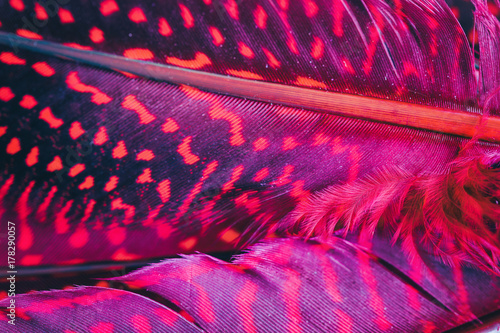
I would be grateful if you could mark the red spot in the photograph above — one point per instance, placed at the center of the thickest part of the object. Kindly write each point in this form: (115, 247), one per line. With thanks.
(218, 39)
(298, 190)
(76, 169)
(185, 150)
(87, 183)
(310, 83)
(164, 28)
(290, 143)
(14, 146)
(200, 60)
(40, 12)
(338, 14)
(129, 209)
(47, 115)
(186, 16)
(234, 178)
(283, 4)
(101, 136)
(217, 111)
(28, 102)
(61, 222)
(17, 5)
(170, 126)
(320, 139)
(122, 255)
(96, 35)
(260, 144)
(245, 50)
(252, 204)
(283, 179)
(79, 238)
(78, 46)
(6, 94)
(140, 54)
(232, 9)
(108, 7)
(318, 47)
(3, 130)
(23, 211)
(141, 324)
(409, 69)
(131, 103)
(32, 157)
(102, 327)
(261, 174)
(145, 155)
(244, 74)
(31, 260)
(45, 204)
(271, 59)
(310, 7)
(55, 165)
(88, 210)
(120, 150)
(65, 16)
(76, 130)
(167, 316)
(98, 97)
(211, 167)
(137, 15)
(43, 69)
(145, 177)
(260, 17)
(10, 58)
(28, 34)
(348, 66)
(164, 190)
(111, 184)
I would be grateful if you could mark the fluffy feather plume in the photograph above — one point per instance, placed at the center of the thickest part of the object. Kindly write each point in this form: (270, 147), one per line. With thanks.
(455, 213)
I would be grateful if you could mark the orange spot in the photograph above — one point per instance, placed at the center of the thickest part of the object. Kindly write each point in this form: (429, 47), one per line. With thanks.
(31, 260)
(47, 115)
(78, 46)
(145, 155)
(76, 130)
(17, 5)
(260, 17)
(164, 190)
(318, 47)
(164, 28)
(200, 60)
(129, 209)
(65, 16)
(10, 58)
(131, 103)
(14, 146)
(170, 126)
(320, 139)
(111, 184)
(79, 238)
(310, 83)
(6, 94)
(218, 39)
(101, 136)
(229, 235)
(261, 174)
(234, 178)
(76, 169)
(145, 177)
(271, 59)
(120, 150)
(245, 50)
(186, 16)
(40, 12)
(137, 15)
(87, 183)
(98, 97)
(244, 74)
(188, 244)
(290, 143)
(184, 150)
(283, 179)
(43, 69)
(55, 165)
(108, 7)
(232, 9)
(28, 34)
(260, 144)
(3, 130)
(28, 102)
(96, 35)
(32, 157)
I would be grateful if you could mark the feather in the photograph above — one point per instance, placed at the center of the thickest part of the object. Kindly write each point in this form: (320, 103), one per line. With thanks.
(209, 125)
